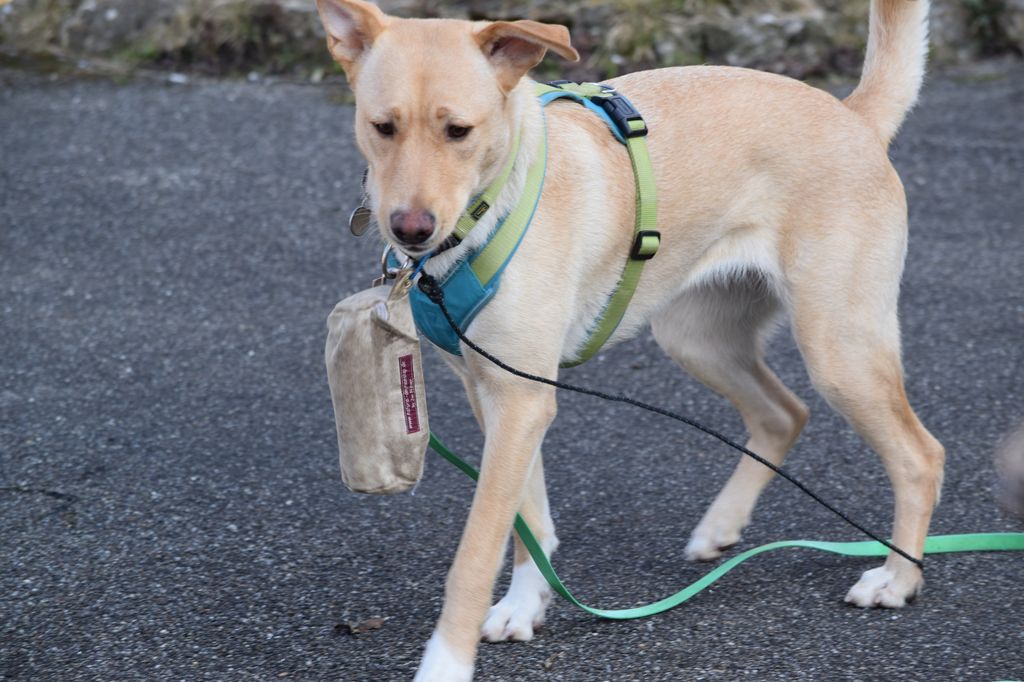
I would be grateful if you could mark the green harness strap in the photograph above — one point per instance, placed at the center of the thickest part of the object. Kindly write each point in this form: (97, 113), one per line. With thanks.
(630, 128)
(493, 257)
(475, 211)
(935, 544)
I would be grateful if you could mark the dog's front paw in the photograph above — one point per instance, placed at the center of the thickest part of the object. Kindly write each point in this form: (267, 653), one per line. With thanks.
(439, 664)
(521, 610)
(885, 587)
(513, 619)
(706, 542)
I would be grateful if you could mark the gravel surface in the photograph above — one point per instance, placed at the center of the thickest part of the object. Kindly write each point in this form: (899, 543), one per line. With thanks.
(170, 502)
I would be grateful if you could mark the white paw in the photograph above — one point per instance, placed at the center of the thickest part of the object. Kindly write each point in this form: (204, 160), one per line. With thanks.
(521, 610)
(707, 543)
(439, 664)
(885, 587)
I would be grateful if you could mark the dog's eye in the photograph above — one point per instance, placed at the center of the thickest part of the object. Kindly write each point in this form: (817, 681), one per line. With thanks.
(457, 132)
(386, 129)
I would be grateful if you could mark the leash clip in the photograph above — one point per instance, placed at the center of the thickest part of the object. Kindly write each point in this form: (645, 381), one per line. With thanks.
(387, 271)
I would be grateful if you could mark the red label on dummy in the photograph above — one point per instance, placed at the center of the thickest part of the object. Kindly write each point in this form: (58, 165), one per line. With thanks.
(407, 375)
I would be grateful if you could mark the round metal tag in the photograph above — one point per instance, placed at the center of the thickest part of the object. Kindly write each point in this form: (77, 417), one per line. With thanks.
(359, 221)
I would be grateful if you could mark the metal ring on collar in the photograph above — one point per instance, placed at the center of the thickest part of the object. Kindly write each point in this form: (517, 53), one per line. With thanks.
(389, 272)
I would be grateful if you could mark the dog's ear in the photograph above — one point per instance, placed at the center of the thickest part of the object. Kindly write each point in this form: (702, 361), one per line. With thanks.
(515, 47)
(351, 26)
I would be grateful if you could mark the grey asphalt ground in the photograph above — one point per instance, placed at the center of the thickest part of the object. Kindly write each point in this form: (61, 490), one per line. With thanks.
(170, 501)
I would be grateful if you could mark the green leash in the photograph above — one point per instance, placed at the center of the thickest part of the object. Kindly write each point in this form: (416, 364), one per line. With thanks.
(934, 544)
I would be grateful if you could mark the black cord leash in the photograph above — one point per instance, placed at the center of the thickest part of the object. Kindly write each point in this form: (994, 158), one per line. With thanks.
(429, 286)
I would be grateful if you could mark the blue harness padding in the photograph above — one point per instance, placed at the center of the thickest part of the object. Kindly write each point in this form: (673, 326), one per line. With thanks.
(465, 294)
(549, 97)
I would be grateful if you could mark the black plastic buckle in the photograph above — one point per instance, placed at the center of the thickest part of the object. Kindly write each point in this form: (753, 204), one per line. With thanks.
(621, 111)
(638, 252)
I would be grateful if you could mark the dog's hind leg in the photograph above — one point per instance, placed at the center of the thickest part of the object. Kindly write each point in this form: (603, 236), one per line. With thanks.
(845, 321)
(716, 332)
(857, 368)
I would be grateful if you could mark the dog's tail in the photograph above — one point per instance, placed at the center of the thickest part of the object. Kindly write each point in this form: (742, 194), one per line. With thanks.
(894, 65)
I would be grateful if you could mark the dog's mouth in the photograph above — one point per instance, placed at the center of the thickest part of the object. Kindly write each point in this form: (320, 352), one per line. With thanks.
(415, 251)
(431, 247)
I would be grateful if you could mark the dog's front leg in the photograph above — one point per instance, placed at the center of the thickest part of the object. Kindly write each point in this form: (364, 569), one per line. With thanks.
(516, 615)
(516, 415)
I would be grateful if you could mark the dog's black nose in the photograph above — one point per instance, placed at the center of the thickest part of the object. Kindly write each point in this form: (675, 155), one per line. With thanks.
(412, 227)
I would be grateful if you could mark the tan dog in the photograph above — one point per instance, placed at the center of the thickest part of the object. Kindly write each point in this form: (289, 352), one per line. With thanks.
(774, 199)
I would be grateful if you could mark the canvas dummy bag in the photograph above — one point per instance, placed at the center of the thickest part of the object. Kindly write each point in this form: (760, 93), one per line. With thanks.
(376, 377)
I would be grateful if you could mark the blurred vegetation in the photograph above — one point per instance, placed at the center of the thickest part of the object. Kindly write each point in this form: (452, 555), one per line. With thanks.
(987, 22)
(802, 38)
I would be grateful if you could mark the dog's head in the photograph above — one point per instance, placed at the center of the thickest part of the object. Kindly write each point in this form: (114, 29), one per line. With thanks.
(432, 108)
